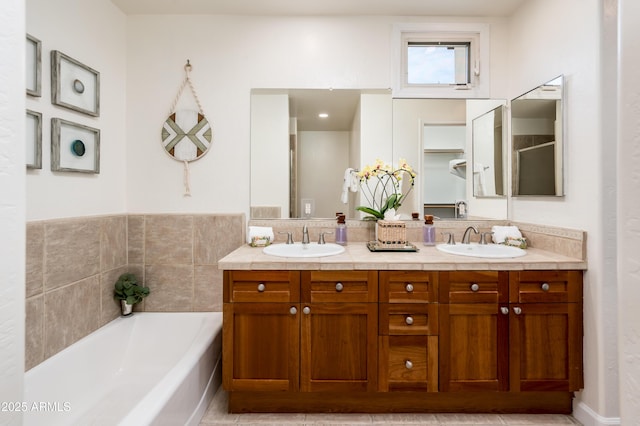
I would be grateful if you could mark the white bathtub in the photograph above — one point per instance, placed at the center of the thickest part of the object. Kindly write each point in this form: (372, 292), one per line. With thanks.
(148, 369)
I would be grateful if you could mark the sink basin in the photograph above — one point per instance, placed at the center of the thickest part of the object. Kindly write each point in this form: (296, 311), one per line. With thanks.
(495, 251)
(303, 250)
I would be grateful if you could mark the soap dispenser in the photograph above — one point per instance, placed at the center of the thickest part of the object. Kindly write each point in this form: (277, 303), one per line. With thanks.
(428, 231)
(341, 231)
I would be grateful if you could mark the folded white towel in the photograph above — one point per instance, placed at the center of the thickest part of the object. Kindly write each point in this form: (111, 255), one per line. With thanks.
(260, 235)
(350, 183)
(501, 233)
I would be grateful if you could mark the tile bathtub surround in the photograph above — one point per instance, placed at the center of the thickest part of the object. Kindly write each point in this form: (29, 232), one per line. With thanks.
(72, 264)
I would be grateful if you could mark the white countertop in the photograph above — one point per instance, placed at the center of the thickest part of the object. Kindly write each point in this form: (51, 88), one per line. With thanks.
(358, 257)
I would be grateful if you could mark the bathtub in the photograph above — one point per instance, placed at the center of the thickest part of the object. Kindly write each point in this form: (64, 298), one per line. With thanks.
(147, 369)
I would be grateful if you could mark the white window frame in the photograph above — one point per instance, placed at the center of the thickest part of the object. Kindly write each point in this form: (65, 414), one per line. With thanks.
(477, 34)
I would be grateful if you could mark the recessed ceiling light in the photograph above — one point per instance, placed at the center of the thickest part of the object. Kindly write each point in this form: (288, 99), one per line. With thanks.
(323, 115)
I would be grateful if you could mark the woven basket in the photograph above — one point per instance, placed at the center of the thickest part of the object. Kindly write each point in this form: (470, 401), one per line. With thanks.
(391, 233)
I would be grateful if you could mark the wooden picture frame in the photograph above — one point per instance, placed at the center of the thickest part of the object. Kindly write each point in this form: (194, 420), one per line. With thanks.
(34, 140)
(33, 55)
(74, 85)
(74, 147)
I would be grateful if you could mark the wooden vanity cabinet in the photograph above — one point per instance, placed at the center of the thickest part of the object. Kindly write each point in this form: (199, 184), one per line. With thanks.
(408, 329)
(545, 331)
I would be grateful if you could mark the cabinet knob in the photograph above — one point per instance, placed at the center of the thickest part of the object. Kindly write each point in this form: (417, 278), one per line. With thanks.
(261, 287)
(293, 310)
(409, 288)
(545, 286)
(408, 364)
(517, 310)
(339, 287)
(409, 320)
(306, 310)
(475, 287)
(504, 310)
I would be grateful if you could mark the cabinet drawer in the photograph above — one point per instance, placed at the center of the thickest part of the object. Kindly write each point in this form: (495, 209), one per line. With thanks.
(408, 319)
(261, 286)
(409, 363)
(339, 286)
(408, 286)
(474, 287)
(545, 286)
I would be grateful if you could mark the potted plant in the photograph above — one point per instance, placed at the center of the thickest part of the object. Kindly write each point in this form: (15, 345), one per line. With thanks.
(129, 292)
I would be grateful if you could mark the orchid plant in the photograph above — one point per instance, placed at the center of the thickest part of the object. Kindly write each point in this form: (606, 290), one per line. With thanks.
(381, 186)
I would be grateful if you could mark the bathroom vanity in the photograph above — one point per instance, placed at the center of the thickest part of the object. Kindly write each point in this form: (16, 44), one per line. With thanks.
(402, 332)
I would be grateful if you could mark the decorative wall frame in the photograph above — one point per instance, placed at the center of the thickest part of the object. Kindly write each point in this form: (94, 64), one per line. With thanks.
(74, 85)
(74, 147)
(34, 140)
(34, 66)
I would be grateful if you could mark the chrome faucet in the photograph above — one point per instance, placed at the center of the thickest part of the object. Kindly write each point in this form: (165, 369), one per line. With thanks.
(466, 235)
(305, 235)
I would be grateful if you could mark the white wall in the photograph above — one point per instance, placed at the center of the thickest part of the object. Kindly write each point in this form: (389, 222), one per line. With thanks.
(12, 205)
(545, 43)
(93, 33)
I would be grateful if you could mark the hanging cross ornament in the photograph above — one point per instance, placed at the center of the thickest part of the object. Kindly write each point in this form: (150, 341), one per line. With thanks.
(186, 134)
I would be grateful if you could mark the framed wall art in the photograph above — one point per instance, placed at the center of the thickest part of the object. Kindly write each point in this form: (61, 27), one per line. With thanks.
(74, 85)
(33, 55)
(74, 147)
(34, 140)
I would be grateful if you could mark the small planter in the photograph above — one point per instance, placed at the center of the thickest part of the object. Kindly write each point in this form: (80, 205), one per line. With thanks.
(126, 308)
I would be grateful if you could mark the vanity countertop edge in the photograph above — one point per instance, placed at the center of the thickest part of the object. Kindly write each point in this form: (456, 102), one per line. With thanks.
(358, 257)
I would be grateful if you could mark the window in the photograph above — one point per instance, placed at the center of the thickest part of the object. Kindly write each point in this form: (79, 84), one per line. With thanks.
(441, 60)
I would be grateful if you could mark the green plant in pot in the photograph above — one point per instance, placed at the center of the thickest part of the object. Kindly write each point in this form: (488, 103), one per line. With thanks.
(129, 292)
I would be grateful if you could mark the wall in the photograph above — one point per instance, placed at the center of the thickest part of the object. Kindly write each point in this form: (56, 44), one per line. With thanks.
(94, 34)
(12, 206)
(542, 47)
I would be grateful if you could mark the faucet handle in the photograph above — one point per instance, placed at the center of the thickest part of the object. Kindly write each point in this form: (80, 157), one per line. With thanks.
(451, 240)
(321, 237)
(483, 237)
(289, 236)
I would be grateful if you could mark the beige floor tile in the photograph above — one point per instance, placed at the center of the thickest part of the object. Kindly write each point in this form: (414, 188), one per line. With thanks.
(405, 419)
(538, 419)
(469, 419)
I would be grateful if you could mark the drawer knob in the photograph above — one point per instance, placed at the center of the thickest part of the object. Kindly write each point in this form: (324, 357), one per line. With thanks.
(293, 310)
(409, 288)
(408, 364)
(339, 287)
(545, 287)
(504, 310)
(261, 287)
(306, 310)
(475, 287)
(517, 310)
(409, 320)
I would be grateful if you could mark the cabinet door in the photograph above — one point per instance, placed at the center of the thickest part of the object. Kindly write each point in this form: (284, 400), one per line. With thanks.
(546, 347)
(408, 363)
(474, 347)
(338, 350)
(261, 346)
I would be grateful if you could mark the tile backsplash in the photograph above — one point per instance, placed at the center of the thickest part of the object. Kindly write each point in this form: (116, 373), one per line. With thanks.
(72, 264)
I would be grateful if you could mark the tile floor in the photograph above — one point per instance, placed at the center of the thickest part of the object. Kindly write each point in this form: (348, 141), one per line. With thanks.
(217, 415)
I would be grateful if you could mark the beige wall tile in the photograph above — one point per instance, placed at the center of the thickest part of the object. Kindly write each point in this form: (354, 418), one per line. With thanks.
(71, 251)
(168, 239)
(113, 242)
(34, 332)
(207, 288)
(171, 288)
(216, 236)
(135, 239)
(70, 313)
(35, 259)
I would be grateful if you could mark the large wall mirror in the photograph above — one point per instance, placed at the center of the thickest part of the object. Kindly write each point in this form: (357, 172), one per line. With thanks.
(537, 152)
(298, 159)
